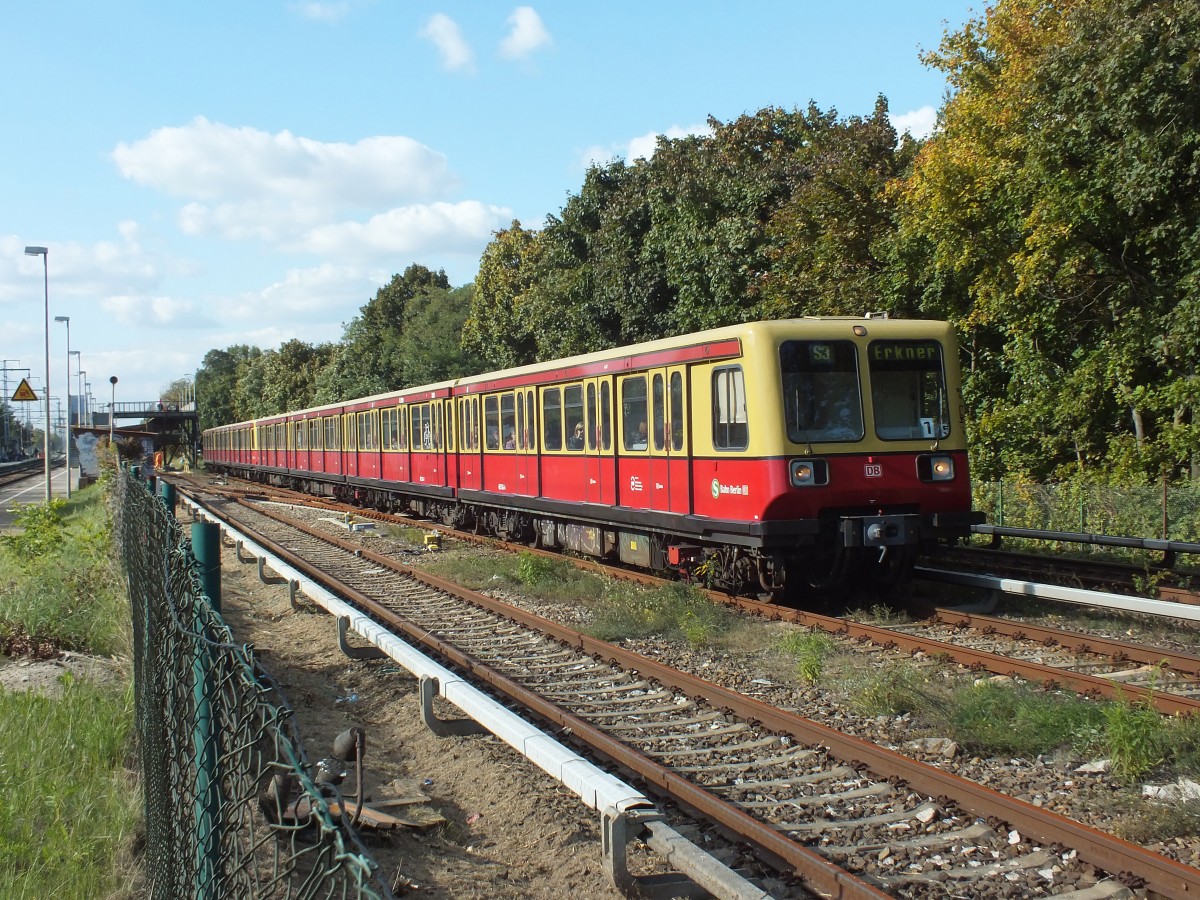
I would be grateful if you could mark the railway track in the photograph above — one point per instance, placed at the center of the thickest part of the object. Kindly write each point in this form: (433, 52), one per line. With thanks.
(847, 817)
(1082, 662)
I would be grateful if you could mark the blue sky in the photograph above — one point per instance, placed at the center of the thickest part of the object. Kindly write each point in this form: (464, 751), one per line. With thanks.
(216, 173)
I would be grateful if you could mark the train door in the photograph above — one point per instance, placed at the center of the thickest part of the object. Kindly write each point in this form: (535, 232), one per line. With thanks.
(670, 478)
(526, 473)
(449, 466)
(633, 472)
(333, 444)
(470, 464)
(599, 466)
(349, 445)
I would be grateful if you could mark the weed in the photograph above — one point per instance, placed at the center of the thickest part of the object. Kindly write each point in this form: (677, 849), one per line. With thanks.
(810, 650)
(1135, 738)
(1148, 821)
(1016, 721)
(672, 610)
(536, 570)
(42, 529)
(892, 690)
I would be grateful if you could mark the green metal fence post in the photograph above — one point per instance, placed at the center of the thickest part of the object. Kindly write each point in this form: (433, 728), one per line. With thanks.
(206, 547)
(166, 490)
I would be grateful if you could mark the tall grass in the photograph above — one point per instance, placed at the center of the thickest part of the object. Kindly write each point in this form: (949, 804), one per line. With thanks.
(68, 804)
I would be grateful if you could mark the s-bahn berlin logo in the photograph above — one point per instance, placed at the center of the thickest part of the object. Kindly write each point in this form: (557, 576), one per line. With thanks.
(741, 490)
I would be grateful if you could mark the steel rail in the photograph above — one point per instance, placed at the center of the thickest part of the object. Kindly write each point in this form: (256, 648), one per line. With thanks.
(1074, 640)
(1129, 861)
(1039, 673)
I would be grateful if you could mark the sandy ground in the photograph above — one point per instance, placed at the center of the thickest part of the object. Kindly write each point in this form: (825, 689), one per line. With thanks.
(508, 829)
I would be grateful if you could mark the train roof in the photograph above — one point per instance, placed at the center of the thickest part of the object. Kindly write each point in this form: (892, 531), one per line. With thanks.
(729, 337)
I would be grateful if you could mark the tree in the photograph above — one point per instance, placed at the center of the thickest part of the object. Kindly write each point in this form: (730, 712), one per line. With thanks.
(1059, 195)
(217, 384)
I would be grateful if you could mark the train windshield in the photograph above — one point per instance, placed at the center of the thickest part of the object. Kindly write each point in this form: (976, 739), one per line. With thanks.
(908, 390)
(822, 400)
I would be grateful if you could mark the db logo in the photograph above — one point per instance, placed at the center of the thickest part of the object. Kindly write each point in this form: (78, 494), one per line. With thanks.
(873, 470)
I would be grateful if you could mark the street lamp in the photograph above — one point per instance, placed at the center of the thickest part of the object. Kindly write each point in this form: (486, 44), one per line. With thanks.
(67, 321)
(112, 411)
(44, 253)
(81, 409)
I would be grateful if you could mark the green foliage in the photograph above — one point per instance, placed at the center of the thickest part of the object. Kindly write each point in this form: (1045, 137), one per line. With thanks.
(1134, 738)
(1075, 244)
(675, 610)
(540, 570)
(41, 530)
(889, 691)
(68, 808)
(1016, 721)
(58, 587)
(811, 650)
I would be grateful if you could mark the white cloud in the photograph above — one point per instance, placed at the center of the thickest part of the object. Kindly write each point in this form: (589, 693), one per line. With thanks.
(526, 34)
(246, 183)
(920, 123)
(411, 230)
(640, 147)
(444, 33)
(209, 161)
(159, 312)
(323, 11)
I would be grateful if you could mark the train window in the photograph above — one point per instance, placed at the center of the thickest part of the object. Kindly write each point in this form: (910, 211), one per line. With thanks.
(676, 411)
(731, 429)
(573, 415)
(368, 430)
(422, 427)
(530, 420)
(333, 440)
(521, 429)
(633, 412)
(592, 426)
(314, 434)
(464, 423)
(491, 416)
(908, 390)
(475, 423)
(822, 400)
(301, 436)
(435, 414)
(552, 418)
(605, 416)
(389, 428)
(508, 421)
(660, 413)
(349, 433)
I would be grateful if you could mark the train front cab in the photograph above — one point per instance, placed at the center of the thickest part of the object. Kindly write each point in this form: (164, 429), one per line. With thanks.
(841, 442)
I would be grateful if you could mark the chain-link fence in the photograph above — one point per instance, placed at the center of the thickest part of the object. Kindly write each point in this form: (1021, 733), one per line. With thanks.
(1166, 511)
(230, 808)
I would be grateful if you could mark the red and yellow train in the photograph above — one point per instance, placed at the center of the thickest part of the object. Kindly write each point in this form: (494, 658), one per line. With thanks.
(770, 455)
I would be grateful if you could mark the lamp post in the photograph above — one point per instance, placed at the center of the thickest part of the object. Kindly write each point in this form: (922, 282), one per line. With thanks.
(81, 410)
(112, 411)
(44, 253)
(66, 320)
(91, 419)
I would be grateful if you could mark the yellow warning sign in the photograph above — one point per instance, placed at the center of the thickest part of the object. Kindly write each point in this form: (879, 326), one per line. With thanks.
(24, 392)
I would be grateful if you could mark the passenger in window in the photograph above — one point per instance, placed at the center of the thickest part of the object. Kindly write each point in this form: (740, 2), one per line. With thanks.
(575, 441)
(639, 439)
(510, 440)
(493, 438)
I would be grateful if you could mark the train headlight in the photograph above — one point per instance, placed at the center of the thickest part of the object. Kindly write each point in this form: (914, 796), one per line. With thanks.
(809, 472)
(935, 468)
